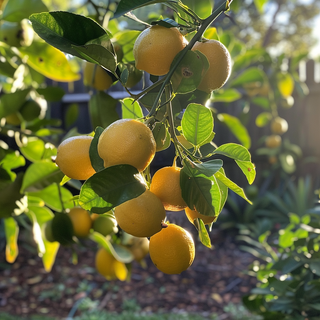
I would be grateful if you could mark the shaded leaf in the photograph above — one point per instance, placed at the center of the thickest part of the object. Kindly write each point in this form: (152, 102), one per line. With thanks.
(11, 230)
(96, 161)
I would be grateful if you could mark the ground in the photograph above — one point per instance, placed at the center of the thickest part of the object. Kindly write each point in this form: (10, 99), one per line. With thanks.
(215, 279)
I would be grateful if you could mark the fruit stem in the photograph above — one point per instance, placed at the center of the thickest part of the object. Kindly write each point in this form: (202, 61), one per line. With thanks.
(222, 7)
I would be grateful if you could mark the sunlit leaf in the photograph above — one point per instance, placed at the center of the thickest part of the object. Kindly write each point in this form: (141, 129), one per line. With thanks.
(131, 109)
(228, 95)
(11, 229)
(12, 102)
(263, 119)
(252, 74)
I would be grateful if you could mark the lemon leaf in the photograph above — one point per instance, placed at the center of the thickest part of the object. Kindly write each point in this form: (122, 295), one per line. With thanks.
(131, 109)
(11, 229)
(49, 62)
(96, 161)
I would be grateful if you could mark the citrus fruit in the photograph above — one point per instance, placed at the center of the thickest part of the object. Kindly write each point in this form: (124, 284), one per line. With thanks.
(73, 157)
(13, 119)
(194, 214)
(139, 248)
(109, 267)
(127, 141)
(141, 216)
(97, 77)
(105, 225)
(156, 47)
(81, 222)
(16, 34)
(279, 125)
(94, 216)
(172, 249)
(165, 184)
(30, 110)
(48, 231)
(219, 61)
(273, 141)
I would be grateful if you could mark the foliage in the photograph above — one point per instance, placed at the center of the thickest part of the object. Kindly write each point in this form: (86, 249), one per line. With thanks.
(288, 254)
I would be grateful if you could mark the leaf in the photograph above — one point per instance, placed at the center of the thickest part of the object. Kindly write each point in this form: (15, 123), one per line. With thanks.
(203, 234)
(58, 29)
(252, 74)
(11, 230)
(12, 102)
(263, 119)
(62, 228)
(110, 187)
(51, 94)
(248, 168)
(285, 84)
(125, 6)
(40, 175)
(211, 34)
(262, 102)
(231, 185)
(10, 196)
(197, 123)
(209, 168)
(51, 196)
(71, 114)
(131, 109)
(234, 151)
(49, 62)
(121, 253)
(96, 161)
(260, 5)
(237, 128)
(102, 109)
(161, 136)
(227, 95)
(16, 10)
(36, 150)
(12, 160)
(199, 192)
(126, 40)
(189, 72)
(248, 57)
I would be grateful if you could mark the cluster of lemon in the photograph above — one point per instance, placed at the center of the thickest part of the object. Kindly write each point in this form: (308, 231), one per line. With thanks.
(128, 141)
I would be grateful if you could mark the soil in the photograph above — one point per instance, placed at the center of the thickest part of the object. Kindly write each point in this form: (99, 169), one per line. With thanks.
(216, 278)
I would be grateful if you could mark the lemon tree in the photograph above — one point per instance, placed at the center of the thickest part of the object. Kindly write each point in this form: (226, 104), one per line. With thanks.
(111, 166)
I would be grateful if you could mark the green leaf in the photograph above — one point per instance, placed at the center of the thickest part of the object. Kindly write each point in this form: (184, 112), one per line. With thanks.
(98, 54)
(248, 168)
(234, 151)
(237, 128)
(102, 109)
(197, 123)
(131, 109)
(36, 150)
(16, 10)
(10, 196)
(62, 228)
(260, 5)
(315, 267)
(189, 72)
(244, 60)
(110, 187)
(51, 94)
(71, 114)
(227, 95)
(96, 161)
(209, 168)
(262, 102)
(199, 191)
(231, 185)
(12, 102)
(249, 75)
(161, 136)
(51, 196)
(12, 160)
(125, 6)
(58, 29)
(223, 190)
(11, 230)
(126, 40)
(263, 119)
(49, 62)
(203, 234)
(202, 8)
(40, 175)
(121, 253)
(211, 34)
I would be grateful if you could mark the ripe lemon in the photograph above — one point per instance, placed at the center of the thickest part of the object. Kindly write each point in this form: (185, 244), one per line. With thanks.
(141, 216)
(220, 64)
(127, 141)
(273, 141)
(172, 249)
(95, 76)
(81, 222)
(109, 267)
(194, 214)
(105, 225)
(165, 185)
(73, 157)
(156, 47)
(139, 248)
(279, 125)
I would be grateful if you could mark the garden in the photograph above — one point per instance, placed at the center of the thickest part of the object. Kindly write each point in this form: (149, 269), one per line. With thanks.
(159, 160)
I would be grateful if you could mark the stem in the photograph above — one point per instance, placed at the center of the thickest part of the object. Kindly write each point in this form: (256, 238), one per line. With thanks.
(215, 13)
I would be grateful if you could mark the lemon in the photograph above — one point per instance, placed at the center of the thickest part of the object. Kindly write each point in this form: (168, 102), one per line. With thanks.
(81, 222)
(97, 77)
(194, 214)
